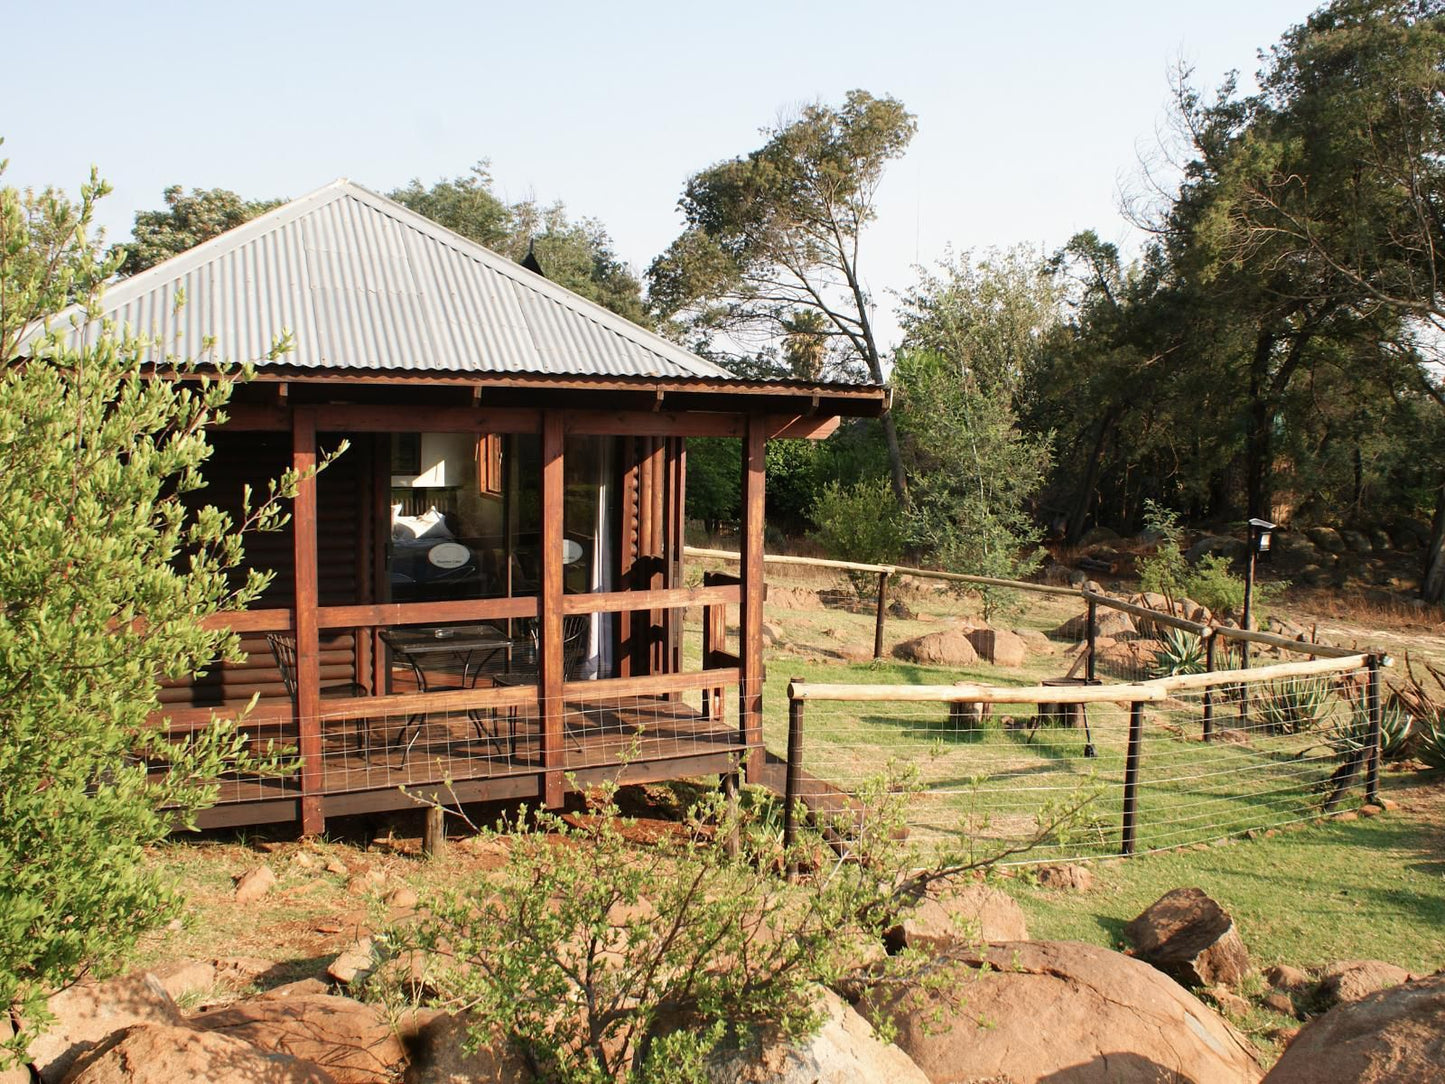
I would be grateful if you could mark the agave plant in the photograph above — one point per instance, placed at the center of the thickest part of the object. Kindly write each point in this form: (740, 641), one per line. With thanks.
(1430, 741)
(1182, 653)
(1396, 727)
(1427, 706)
(1294, 705)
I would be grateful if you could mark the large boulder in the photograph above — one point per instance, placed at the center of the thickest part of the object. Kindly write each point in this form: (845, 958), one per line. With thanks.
(164, 1054)
(1130, 659)
(998, 646)
(1395, 1035)
(950, 647)
(1061, 1012)
(1110, 623)
(438, 1057)
(89, 1012)
(1350, 980)
(351, 1041)
(959, 915)
(845, 1050)
(1190, 938)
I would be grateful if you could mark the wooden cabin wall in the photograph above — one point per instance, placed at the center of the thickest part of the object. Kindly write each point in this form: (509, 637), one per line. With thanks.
(347, 544)
(650, 551)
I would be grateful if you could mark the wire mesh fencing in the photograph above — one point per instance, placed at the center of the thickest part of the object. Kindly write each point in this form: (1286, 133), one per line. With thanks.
(1044, 773)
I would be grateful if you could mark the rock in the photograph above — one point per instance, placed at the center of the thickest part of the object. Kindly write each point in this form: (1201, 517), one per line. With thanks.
(1280, 1002)
(1074, 629)
(1355, 542)
(355, 963)
(403, 898)
(962, 915)
(437, 1057)
(1115, 623)
(1327, 539)
(297, 988)
(351, 1041)
(1060, 1011)
(1065, 877)
(901, 610)
(88, 1012)
(1190, 938)
(1234, 736)
(254, 883)
(1284, 977)
(1393, 1035)
(772, 633)
(845, 1050)
(1380, 541)
(1129, 658)
(1095, 536)
(950, 647)
(1284, 1036)
(242, 970)
(1212, 544)
(337, 866)
(1035, 641)
(1350, 980)
(182, 977)
(1228, 1002)
(998, 646)
(166, 1054)
(794, 598)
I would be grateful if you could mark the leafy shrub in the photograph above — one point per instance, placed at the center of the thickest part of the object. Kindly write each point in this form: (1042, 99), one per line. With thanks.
(860, 523)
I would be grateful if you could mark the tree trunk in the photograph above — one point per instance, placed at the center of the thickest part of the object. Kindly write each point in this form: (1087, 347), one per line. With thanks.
(1258, 442)
(1085, 495)
(895, 460)
(1432, 581)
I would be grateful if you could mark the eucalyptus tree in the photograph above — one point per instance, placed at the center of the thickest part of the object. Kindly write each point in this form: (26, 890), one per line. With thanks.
(186, 221)
(772, 246)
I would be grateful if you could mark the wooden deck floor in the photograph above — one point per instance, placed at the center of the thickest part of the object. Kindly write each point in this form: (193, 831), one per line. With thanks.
(460, 758)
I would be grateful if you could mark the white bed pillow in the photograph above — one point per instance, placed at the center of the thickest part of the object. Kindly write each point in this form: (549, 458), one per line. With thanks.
(430, 524)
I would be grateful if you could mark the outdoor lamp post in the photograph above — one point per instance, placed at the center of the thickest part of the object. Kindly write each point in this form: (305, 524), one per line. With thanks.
(1260, 532)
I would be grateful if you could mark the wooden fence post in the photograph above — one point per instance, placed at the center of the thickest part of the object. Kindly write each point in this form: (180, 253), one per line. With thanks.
(793, 778)
(882, 602)
(1131, 777)
(1089, 670)
(1373, 707)
(1209, 689)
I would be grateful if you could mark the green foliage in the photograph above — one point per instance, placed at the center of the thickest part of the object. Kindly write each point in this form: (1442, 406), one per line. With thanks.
(714, 480)
(1294, 705)
(1165, 571)
(766, 271)
(109, 570)
(972, 474)
(185, 223)
(1211, 584)
(1430, 741)
(575, 254)
(1351, 736)
(860, 523)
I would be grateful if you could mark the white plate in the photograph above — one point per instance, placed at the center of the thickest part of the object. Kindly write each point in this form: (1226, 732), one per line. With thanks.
(448, 555)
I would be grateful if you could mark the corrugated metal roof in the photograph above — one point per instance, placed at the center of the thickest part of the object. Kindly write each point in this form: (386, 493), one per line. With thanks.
(363, 283)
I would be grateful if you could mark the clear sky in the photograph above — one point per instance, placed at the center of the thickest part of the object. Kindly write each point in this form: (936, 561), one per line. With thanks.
(1031, 116)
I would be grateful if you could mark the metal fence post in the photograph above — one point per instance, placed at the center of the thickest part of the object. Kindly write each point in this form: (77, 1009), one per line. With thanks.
(882, 602)
(1093, 640)
(793, 778)
(1131, 777)
(1373, 707)
(1209, 689)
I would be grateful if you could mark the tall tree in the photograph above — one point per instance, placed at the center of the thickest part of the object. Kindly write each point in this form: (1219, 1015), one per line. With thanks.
(776, 235)
(186, 221)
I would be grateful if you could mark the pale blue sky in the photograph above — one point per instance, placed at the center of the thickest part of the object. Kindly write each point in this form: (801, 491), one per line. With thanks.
(1030, 116)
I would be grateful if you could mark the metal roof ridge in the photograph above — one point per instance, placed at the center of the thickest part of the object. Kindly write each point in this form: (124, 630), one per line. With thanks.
(540, 284)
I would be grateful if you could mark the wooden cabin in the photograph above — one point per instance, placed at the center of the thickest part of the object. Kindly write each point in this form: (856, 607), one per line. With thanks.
(483, 597)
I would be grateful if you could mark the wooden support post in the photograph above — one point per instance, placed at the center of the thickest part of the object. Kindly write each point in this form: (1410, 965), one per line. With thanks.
(380, 580)
(1091, 667)
(882, 603)
(434, 832)
(792, 782)
(1208, 689)
(750, 650)
(308, 637)
(1372, 706)
(1131, 777)
(549, 611)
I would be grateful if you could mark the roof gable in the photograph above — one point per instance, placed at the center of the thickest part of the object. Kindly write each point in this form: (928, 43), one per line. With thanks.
(363, 283)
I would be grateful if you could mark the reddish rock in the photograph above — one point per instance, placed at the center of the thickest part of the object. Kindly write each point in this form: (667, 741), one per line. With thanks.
(1395, 1035)
(950, 647)
(1059, 1011)
(182, 977)
(254, 883)
(1284, 977)
(163, 1054)
(438, 1057)
(88, 1012)
(959, 916)
(1350, 980)
(351, 1041)
(1065, 878)
(1190, 938)
(999, 647)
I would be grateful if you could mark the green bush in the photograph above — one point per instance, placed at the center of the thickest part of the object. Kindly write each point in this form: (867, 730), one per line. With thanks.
(1295, 705)
(860, 523)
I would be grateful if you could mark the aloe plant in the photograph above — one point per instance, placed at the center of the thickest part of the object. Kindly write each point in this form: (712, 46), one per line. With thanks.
(1396, 727)
(1430, 741)
(1182, 653)
(1294, 705)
